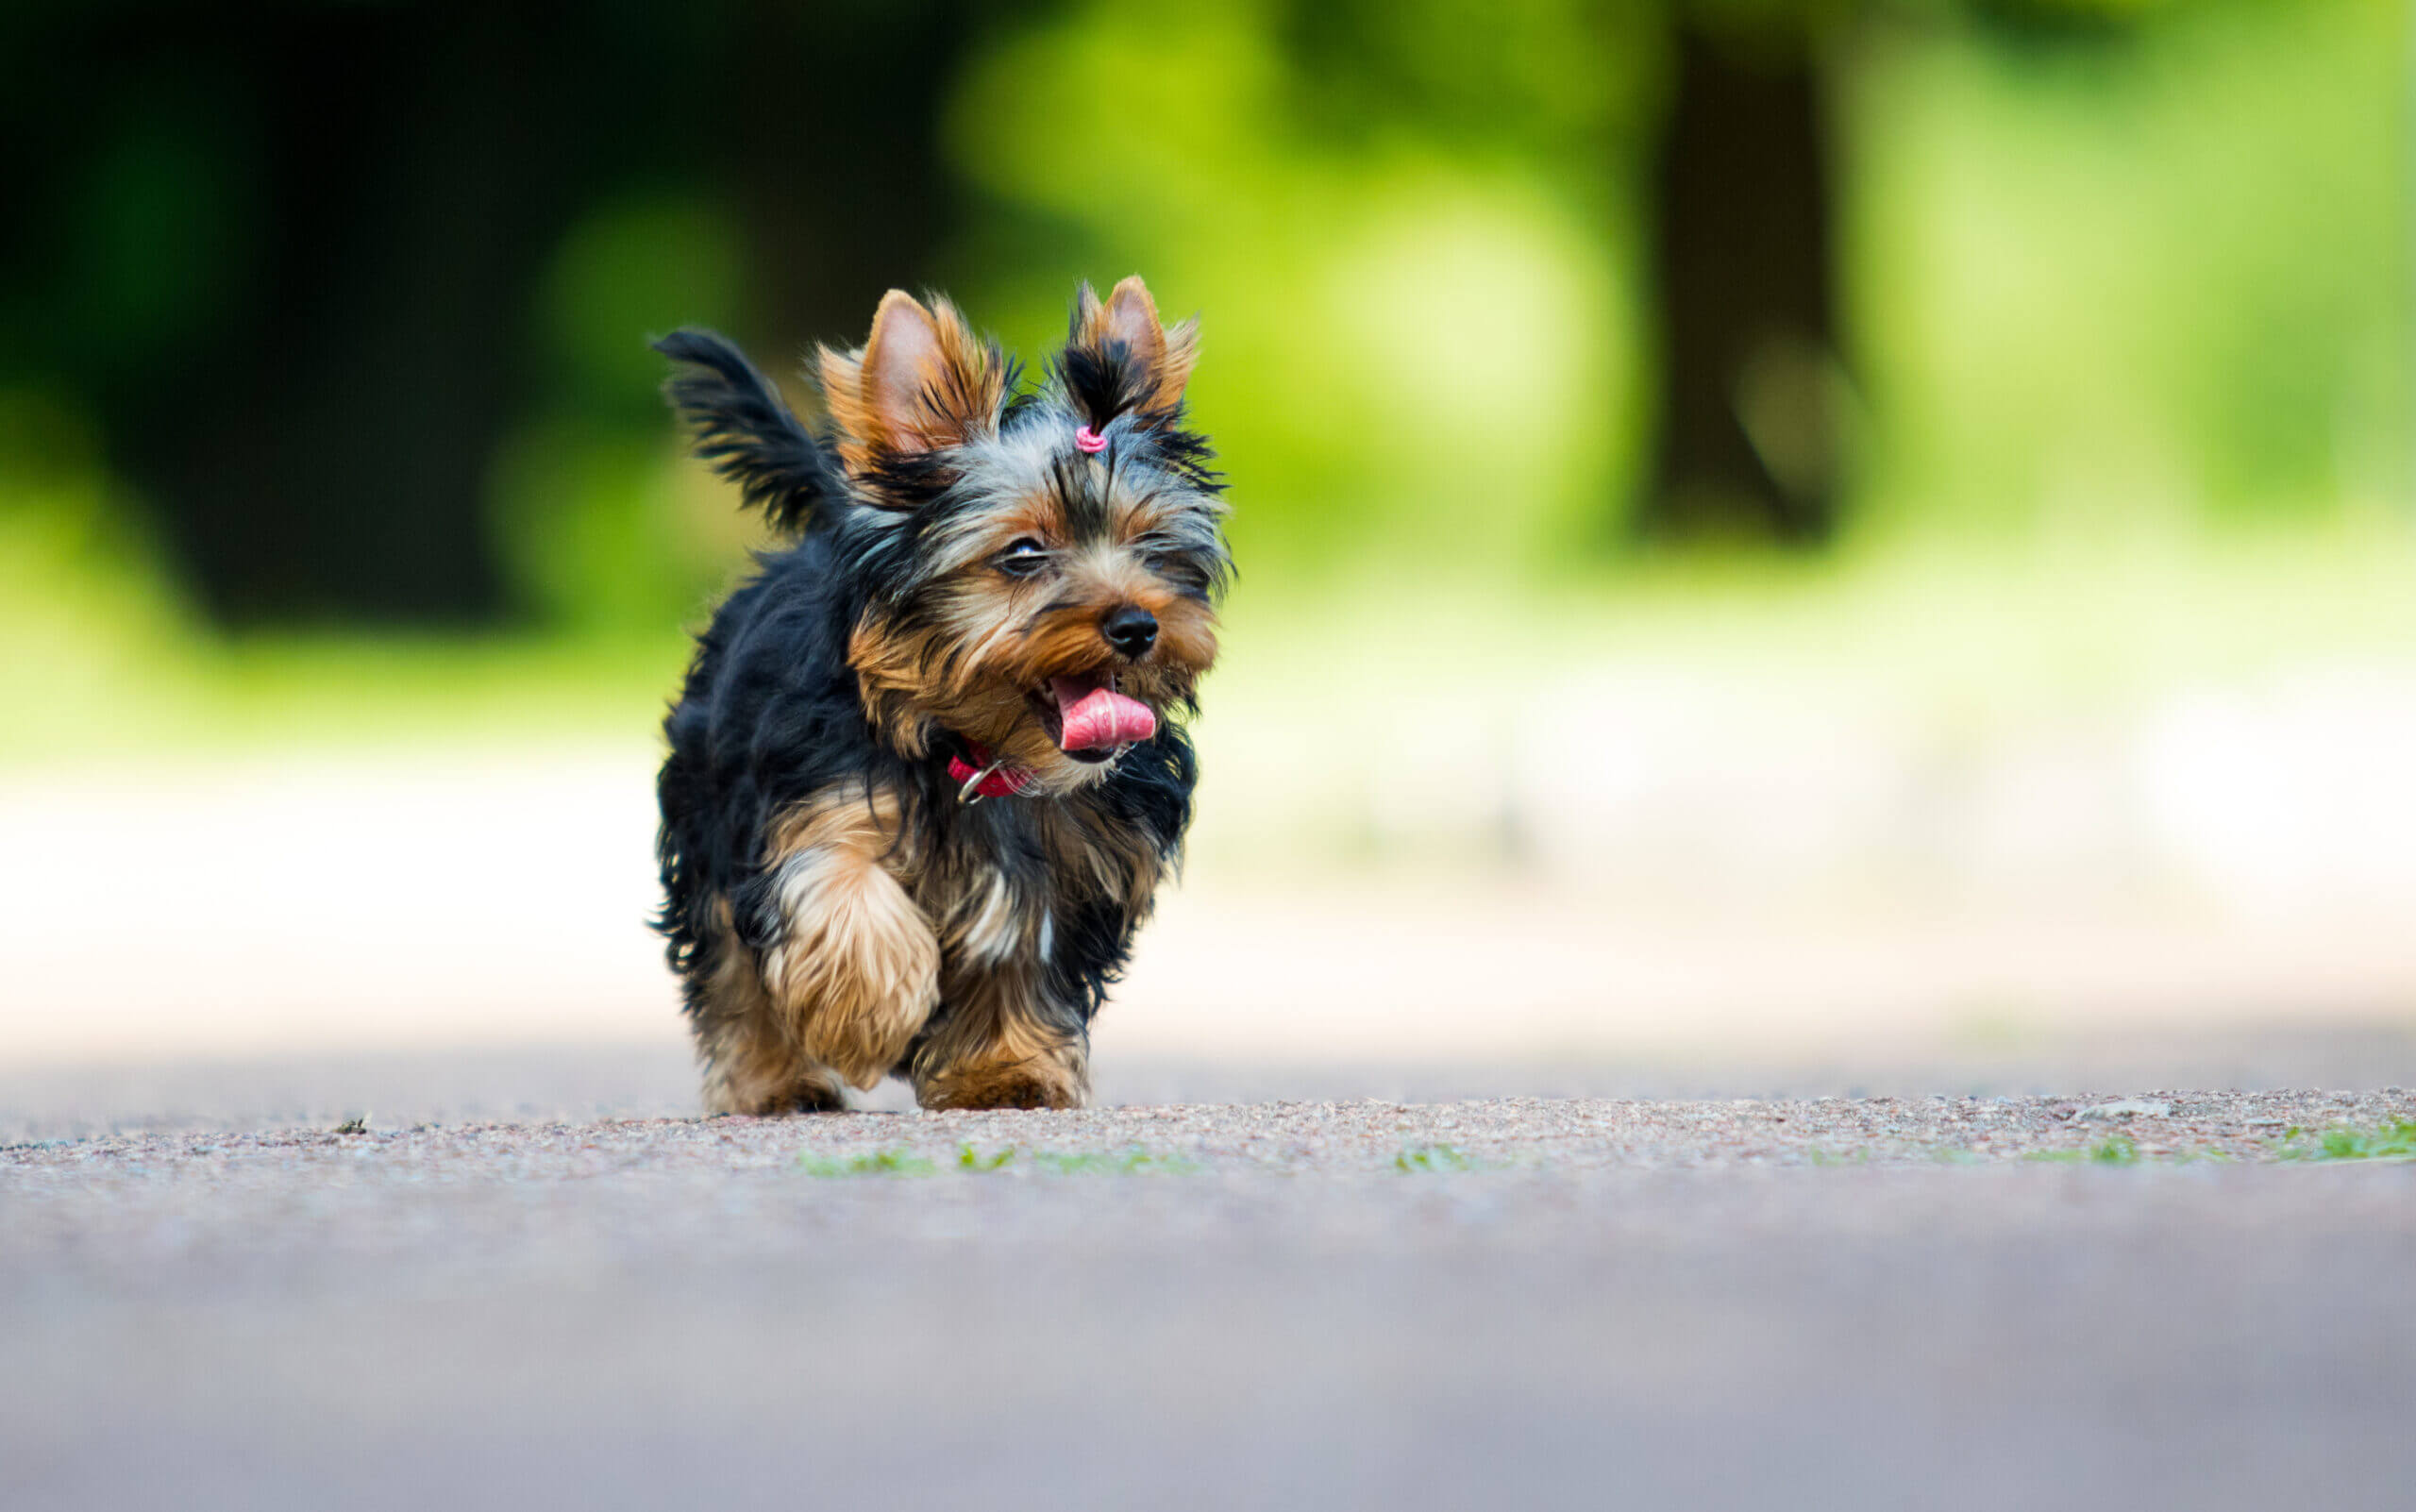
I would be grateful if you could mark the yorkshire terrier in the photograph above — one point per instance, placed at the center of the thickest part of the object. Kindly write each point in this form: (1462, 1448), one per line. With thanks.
(926, 771)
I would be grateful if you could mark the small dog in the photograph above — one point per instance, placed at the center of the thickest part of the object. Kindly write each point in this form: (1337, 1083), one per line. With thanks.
(925, 773)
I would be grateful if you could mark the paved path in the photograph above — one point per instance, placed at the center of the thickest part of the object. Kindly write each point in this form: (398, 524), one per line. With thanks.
(1978, 1302)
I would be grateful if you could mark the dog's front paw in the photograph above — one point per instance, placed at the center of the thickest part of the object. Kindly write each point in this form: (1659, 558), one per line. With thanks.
(1054, 1080)
(857, 977)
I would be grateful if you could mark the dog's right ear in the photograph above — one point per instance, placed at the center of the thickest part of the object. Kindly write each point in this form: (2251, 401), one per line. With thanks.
(921, 383)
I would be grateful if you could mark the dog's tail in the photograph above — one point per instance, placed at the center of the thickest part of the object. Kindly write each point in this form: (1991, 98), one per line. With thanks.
(749, 433)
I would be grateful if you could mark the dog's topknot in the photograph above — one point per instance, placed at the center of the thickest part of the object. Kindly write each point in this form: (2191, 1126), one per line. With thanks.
(1119, 359)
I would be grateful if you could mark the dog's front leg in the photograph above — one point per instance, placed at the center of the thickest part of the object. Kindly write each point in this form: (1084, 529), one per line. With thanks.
(1003, 1044)
(854, 973)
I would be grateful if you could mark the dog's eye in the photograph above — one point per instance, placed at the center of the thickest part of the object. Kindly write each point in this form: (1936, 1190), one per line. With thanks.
(1023, 558)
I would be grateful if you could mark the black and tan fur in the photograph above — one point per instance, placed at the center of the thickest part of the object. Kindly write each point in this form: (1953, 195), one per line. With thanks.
(835, 912)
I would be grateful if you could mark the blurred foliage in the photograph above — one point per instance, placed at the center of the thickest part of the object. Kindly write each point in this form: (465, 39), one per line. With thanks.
(2089, 276)
(1420, 313)
(598, 533)
(2163, 283)
(2106, 271)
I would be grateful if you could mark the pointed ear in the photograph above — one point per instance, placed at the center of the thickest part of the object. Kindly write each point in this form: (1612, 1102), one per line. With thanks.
(1119, 358)
(921, 381)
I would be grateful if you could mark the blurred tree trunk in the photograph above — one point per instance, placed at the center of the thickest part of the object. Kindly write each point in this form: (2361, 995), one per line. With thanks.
(326, 460)
(1748, 328)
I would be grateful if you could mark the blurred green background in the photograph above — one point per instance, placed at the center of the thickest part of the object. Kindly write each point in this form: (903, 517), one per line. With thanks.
(2005, 347)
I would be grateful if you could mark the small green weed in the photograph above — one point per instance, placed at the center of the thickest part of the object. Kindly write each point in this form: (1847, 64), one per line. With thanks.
(2396, 1140)
(1125, 1163)
(879, 1163)
(2114, 1150)
(1425, 1159)
(971, 1161)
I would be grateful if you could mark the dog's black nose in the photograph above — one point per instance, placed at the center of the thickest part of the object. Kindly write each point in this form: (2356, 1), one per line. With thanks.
(1131, 630)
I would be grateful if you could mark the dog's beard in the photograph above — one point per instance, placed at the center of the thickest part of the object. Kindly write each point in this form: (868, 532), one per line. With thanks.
(1048, 704)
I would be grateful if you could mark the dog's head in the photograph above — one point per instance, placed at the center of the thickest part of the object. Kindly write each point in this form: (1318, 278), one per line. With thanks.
(1041, 570)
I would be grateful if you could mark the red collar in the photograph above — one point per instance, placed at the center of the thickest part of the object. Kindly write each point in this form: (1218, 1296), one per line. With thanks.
(998, 779)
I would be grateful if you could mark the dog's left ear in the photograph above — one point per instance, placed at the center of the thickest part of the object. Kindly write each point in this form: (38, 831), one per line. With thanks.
(921, 381)
(1119, 358)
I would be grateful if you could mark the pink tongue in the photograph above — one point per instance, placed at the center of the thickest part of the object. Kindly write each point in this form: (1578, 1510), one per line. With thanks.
(1100, 716)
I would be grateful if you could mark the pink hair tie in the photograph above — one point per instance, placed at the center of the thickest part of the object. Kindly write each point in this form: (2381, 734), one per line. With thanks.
(1089, 442)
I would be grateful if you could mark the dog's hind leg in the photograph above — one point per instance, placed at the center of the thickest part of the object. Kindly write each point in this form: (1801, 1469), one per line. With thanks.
(853, 970)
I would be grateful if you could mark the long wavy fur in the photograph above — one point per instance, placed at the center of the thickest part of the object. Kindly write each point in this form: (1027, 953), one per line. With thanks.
(749, 433)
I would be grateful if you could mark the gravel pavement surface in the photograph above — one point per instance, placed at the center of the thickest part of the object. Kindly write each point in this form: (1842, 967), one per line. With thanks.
(2163, 1298)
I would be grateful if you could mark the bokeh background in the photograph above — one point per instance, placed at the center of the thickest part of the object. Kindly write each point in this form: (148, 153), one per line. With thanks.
(1768, 528)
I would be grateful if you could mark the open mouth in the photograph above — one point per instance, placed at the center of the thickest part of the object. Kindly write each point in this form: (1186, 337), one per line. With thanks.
(1089, 720)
